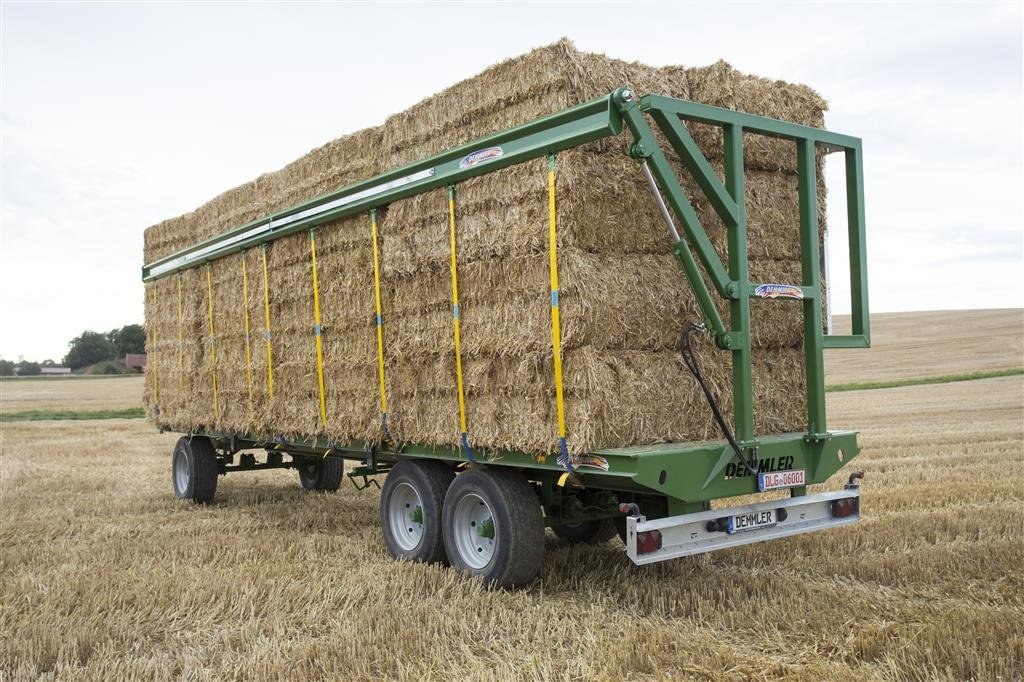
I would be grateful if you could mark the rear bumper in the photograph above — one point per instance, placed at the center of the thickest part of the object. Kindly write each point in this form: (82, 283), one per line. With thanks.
(688, 534)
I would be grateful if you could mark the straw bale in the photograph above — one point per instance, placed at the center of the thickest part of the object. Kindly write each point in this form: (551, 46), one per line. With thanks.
(163, 369)
(613, 398)
(516, 91)
(608, 302)
(345, 269)
(185, 399)
(721, 85)
(229, 339)
(325, 169)
(604, 206)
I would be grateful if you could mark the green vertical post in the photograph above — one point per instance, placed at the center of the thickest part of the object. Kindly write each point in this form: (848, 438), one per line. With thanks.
(858, 247)
(813, 334)
(739, 305)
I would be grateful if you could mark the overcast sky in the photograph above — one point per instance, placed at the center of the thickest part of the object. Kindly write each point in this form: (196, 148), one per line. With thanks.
(116, 116)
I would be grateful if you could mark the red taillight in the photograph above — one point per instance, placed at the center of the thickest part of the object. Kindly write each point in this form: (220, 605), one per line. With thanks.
(844, 507)
(648, 541)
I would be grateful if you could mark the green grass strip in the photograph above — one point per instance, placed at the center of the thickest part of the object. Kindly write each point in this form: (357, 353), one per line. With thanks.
(40, 415)
(944, 379)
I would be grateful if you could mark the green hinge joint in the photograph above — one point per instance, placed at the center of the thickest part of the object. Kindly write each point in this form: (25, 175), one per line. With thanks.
(729, 341)
(638, 151)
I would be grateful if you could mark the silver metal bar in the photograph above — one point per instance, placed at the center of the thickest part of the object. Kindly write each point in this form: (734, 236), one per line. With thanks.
(200, 254)
(352, 198)
(688, 534)
(211, 250)
(661, 201)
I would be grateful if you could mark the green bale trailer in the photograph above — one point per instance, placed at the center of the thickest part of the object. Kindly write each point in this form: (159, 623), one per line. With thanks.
(486, 514)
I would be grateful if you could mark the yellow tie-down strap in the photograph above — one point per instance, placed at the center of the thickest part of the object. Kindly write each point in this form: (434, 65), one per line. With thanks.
(556, 330)
(213, 344)
(316, 331)
(266, 324)
(380, 324)
(456, 325)
(181, 342)
(248, 343)
(156, 366)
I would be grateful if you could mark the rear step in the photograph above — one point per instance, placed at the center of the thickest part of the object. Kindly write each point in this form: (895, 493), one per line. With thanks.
(649, 542)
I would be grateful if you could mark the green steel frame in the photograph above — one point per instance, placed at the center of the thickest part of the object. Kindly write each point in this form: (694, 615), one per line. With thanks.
(684, 474)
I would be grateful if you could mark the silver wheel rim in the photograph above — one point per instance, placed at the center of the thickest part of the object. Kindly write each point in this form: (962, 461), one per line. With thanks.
(472, 523)
(181, 472)
(405, 516)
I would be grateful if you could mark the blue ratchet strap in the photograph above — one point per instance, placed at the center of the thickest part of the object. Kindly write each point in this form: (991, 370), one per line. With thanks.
(466, 450)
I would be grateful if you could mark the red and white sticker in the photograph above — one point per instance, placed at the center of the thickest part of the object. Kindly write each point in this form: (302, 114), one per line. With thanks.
(772, 480)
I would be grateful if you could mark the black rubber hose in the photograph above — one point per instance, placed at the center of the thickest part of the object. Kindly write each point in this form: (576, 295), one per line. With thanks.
(690, 360)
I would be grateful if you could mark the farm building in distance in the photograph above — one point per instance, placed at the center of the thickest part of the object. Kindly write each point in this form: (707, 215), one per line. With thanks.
(135, 361)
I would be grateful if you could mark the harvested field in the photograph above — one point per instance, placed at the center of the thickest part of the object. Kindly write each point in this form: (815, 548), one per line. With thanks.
(931, 343)
(70, 393)
(107, 576)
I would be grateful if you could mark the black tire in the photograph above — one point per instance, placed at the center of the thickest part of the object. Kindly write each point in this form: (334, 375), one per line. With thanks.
(322, 474)
(428, 481)
(586, 532)
(511, 557)
(194, 469)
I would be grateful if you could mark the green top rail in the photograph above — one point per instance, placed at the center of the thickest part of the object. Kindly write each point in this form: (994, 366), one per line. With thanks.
(606, 117)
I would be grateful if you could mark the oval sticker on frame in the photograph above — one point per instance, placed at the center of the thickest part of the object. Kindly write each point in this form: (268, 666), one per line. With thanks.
(778, 291)
(481, 156)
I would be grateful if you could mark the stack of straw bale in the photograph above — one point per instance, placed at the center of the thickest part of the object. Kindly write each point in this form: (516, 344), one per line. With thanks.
(623, 299)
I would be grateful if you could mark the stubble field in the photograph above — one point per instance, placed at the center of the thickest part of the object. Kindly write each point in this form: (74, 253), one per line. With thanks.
(107, 576)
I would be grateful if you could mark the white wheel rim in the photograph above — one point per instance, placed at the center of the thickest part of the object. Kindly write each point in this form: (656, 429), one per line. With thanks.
(405, 516)
(473, 522)
(181, 472)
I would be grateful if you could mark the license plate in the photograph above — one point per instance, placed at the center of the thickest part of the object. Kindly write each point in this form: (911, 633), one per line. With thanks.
(751, 521)
(772, 480)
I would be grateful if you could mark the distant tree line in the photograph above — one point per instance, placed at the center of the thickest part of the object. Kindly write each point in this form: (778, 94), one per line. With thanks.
(86, 349)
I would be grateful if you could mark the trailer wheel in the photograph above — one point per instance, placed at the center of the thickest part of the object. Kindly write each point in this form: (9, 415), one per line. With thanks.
(194, 469)
(586, 532)
(493, 529)
(410, 510)
(320, 473)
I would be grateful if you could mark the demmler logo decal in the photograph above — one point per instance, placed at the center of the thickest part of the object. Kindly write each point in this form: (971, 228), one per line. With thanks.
(481, 156)
(778, 291)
